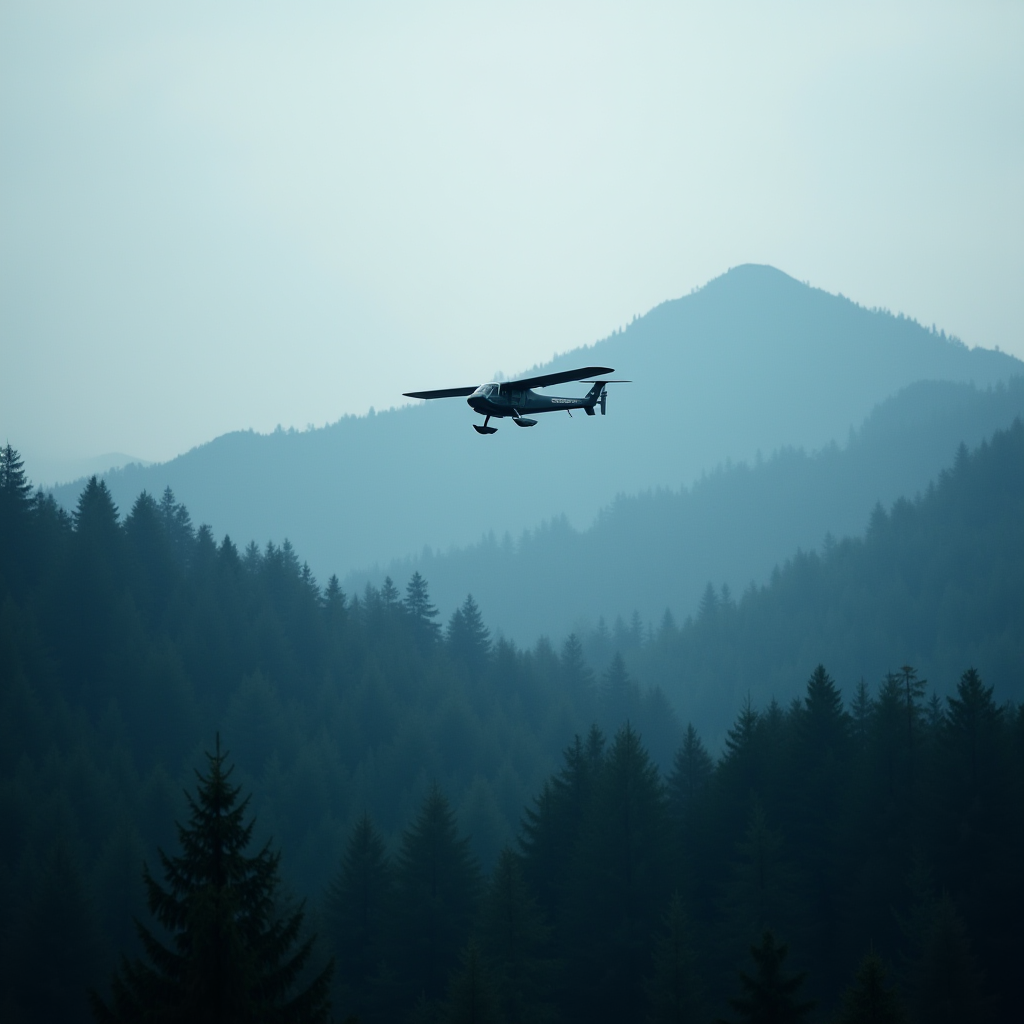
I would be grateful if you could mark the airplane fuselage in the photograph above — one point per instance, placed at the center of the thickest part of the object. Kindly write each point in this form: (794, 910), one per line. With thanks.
(495, 400)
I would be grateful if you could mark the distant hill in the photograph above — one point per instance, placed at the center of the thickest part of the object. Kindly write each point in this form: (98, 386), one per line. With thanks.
(752, 362)
(657, 550)
(936, 583)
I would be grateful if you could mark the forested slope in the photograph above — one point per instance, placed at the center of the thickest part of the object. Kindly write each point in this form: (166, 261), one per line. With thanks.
(656, 551)
(892, 823)
(936, 582)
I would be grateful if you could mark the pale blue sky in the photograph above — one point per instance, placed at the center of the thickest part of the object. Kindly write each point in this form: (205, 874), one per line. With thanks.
(236, 215)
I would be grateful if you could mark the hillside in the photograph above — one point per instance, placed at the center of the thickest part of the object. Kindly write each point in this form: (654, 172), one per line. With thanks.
(125, 646)
(657, 550)
(752, 362)
(935, 583)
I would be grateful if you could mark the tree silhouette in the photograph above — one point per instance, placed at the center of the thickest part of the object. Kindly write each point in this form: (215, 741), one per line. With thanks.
(357, 908)
(438, 882)
(870, 1000)
(468, 637)
(423, 613)
(230, 958)
(770, 996)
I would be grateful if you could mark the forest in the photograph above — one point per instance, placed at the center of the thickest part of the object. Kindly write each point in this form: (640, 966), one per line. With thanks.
(626, 825)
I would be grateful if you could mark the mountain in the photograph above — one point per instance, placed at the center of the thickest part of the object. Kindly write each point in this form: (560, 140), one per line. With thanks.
(657, 550)
(752, 362)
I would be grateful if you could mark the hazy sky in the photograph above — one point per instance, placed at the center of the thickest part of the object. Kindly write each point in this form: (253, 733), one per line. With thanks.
(231, 215)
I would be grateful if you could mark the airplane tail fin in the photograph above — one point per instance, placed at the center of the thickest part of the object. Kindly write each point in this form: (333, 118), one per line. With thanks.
(598, 393)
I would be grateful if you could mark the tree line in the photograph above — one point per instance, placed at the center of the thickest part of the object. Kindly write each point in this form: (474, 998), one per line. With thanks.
(646, 865)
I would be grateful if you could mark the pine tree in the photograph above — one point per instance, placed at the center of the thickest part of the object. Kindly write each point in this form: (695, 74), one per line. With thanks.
(675, 990)
(358, 905)
(178, 524)
(552, 828)
(514, 937)
(15, 519)
(15, 488)
(620, 695)
(389, 596)
(913, 689)
(945, 984)
(468, 638)
(860, 710)
(770, 996)
(973, 721)
(575, 671)
(437, 886)
(230, 958)
(870, 1000)
(421, 611)
(692, 768)
(472, 995)
(619, 881)
(761, 894)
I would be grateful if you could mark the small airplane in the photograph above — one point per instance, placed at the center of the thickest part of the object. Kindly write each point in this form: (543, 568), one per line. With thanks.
(515, 397)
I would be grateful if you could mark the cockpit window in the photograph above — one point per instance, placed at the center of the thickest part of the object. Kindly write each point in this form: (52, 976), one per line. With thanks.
(486, 389)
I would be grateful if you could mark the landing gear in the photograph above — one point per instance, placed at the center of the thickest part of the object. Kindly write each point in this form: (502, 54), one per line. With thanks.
(522, 421)
(485, 429)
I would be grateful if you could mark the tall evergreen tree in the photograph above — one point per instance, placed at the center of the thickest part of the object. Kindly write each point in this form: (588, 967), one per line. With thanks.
(15, 488)
(421, 611)
(620, 695)
(472, 994)
(468, 638)
(358, 907)
(770, 996)
(973, 722)
(437, 889)
(945, 984)
(514, 938)
(692, 768)
(15, 508)
(230, 958)
(619, 881)
(675, 990)
(870, 1000)
(579, 679)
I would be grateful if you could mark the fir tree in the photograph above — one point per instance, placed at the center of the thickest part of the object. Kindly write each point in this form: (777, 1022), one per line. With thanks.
(973, 721)
(15, 488)
(770, 996)
(230, 958)
(575, 670)
(945, 984)
(619, 694)
(421, 611)
(870, 1000)
(514, 938)
(692, 768)
(357, 908)
(468, 638)
(674, 990)
(472, 995)
(437, 885)
(860, 711)
(619, 878)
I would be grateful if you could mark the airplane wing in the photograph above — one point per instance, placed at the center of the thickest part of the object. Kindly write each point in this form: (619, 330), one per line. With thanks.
(546, 379)
(443, 393)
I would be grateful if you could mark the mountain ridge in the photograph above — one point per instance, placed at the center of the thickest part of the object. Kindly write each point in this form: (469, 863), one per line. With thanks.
(656, 550)
(738, 366)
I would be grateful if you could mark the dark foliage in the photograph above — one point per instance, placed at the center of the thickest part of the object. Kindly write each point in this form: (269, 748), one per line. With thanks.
(231, 958)
(885, 815)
